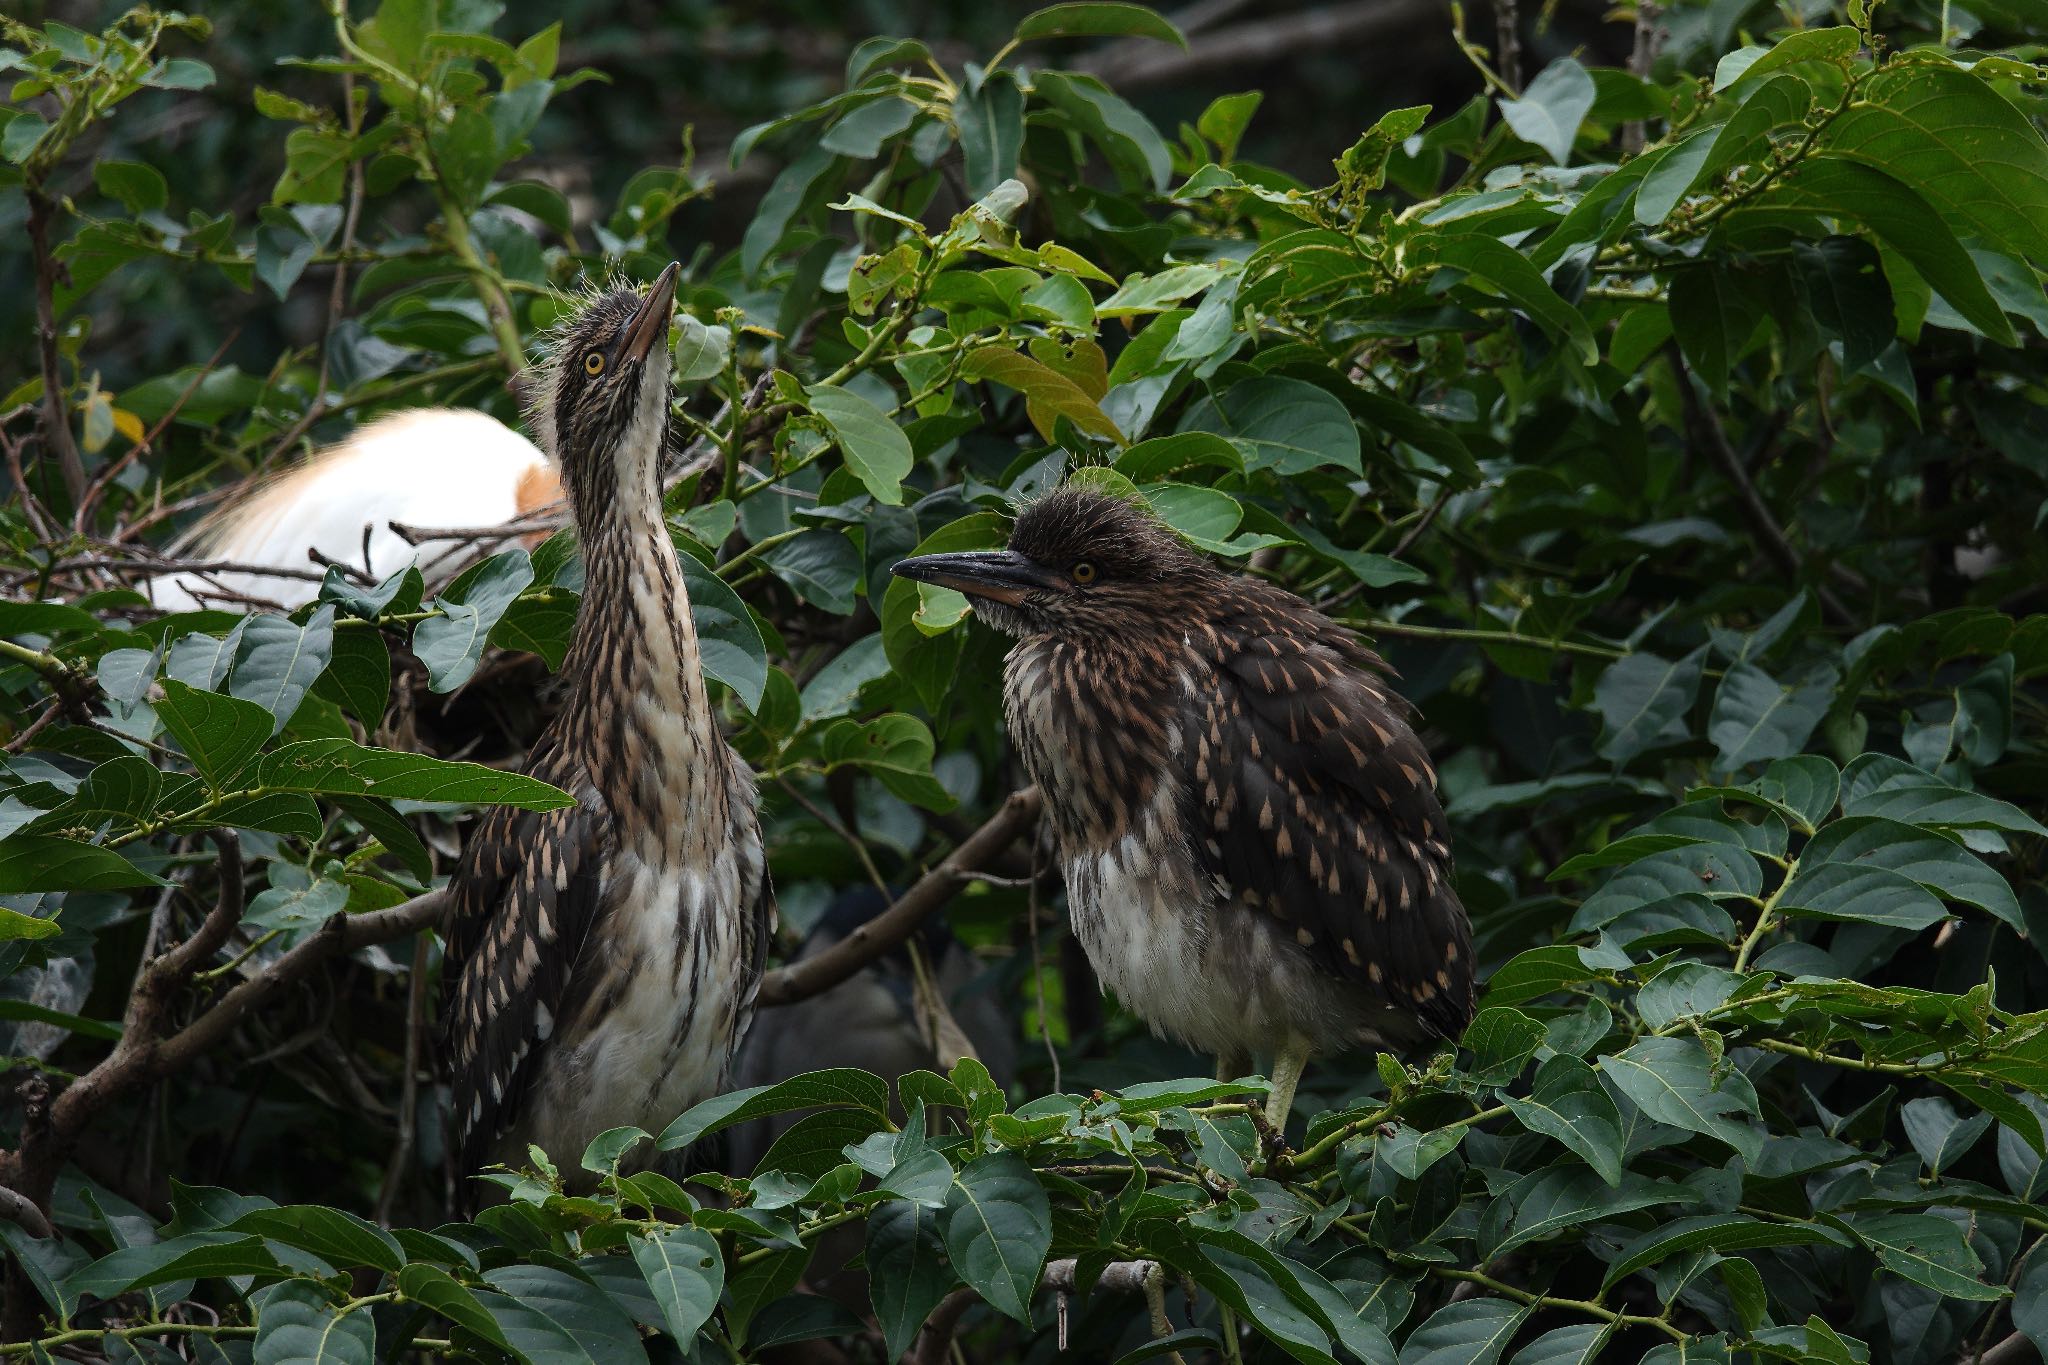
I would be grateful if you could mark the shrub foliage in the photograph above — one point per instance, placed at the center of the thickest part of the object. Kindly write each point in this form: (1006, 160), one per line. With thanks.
(1678, 431)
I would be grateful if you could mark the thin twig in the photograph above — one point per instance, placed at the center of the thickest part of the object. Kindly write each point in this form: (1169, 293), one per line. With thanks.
(409, 1093)
(1707, 430)
(1507, 45)
(803, 979)
(56, 427)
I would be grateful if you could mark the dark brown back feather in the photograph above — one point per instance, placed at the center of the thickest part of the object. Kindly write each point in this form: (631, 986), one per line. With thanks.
(1316, 803)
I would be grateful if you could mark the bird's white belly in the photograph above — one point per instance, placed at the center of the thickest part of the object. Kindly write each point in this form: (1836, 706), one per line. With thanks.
(670, 974)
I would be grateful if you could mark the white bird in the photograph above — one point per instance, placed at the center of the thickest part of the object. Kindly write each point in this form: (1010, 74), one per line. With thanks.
(436, 467)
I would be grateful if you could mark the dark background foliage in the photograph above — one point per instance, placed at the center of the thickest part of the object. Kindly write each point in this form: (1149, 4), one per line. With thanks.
(1665, 400)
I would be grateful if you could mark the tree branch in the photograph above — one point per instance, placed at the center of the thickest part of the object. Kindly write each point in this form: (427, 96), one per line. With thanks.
(1706, 429)
(146, 1053)
(57, 438)
(1262, 40)
(804, 979)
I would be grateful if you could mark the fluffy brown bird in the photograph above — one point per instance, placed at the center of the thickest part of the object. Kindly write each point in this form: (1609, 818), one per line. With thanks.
(1256, 859)
(602, 959)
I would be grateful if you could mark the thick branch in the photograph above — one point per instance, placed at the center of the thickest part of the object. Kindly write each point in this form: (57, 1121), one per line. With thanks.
(16, 1207)
(802, 980)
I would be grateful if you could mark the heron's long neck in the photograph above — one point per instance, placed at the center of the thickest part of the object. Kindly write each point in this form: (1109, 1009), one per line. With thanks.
(635, 665)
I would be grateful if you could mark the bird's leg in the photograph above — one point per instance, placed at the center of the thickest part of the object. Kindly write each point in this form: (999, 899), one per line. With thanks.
(1288, 1064)
(1231, 1065)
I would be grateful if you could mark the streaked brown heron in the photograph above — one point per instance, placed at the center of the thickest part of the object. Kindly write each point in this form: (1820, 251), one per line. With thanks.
(602, 959)
(1255, 856)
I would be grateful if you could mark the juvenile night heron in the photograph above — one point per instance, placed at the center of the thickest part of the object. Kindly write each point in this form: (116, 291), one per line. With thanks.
(1256, 860)
(602, 959)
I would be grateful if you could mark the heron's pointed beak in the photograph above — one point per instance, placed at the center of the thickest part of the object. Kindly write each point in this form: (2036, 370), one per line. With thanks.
(1000, 575)
(649, 326)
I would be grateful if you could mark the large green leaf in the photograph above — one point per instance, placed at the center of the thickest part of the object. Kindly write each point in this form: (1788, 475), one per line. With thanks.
(298, 1325)
(875, 447)
(1286, 425)
(343, 767)
(997, 1225)
(1672, 1080)
(219, 734)
(1566, 1102)
(908, 1270)
(685, 1273)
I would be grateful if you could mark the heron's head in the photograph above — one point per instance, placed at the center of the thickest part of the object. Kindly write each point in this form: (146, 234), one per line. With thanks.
(600, 402)
(1080, 562)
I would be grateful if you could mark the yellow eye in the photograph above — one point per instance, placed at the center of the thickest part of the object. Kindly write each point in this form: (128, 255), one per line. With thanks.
(593, 363)
(1084, 573)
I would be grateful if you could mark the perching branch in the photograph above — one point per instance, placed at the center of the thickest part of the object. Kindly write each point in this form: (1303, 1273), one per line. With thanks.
(935, 1339)
(804, 979)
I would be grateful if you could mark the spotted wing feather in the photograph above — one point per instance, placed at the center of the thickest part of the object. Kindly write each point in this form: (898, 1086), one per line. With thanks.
(1320, 809)
(525, 900)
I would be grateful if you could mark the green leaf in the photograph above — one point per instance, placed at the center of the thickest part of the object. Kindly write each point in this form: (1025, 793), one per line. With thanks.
(1900, 218)
(1836, 45)
(1127, 138)
(836, 1088)
(34, 863)
(343, 767)
(1963, 146)
(1225, 120)
(140, 188)
(701, 351)
(1552, 107)
(277, 662)
(1677, 170)
(1927, 1250)
(1509, 271)
(1939, 1134)
(862, 131)
(451, 645)
(550, 1315)
(1286, 425)
(1672, 1080)
(727, 637)
(1048, 393)
(991, 124)
(896, 748)
(1711, 1232)
(908, 1270)
(219, 734)
(1473, 1332)
(1843, 281)
(1878, 784)
(1567, 1103)
(998, 1225)
(196, 1255)
(1581, 1343)
(1097, 19)
(686, 1273)
(1859, 891)
(1643, 701)
(1500, 1039)
(1756, 717)
(1937, 863)
(876, 449)
(435, 1289)
(298, 1325)
(341, 1239)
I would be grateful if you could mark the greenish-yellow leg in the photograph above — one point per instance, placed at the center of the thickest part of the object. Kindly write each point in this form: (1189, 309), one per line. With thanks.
(1288, 1065)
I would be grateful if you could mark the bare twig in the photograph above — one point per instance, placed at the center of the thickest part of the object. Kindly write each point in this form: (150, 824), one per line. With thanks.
(409, 1093)
(1706, 429)
(56, 422)
(146, 1053)
(1643, 57)
(806, 978)
(1264, 39)
(935, 1339)
(1507, 42)
(82, 519)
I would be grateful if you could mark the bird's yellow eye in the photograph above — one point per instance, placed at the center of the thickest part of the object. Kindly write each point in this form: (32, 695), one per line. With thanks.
(1084, 573)
(593, 363)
